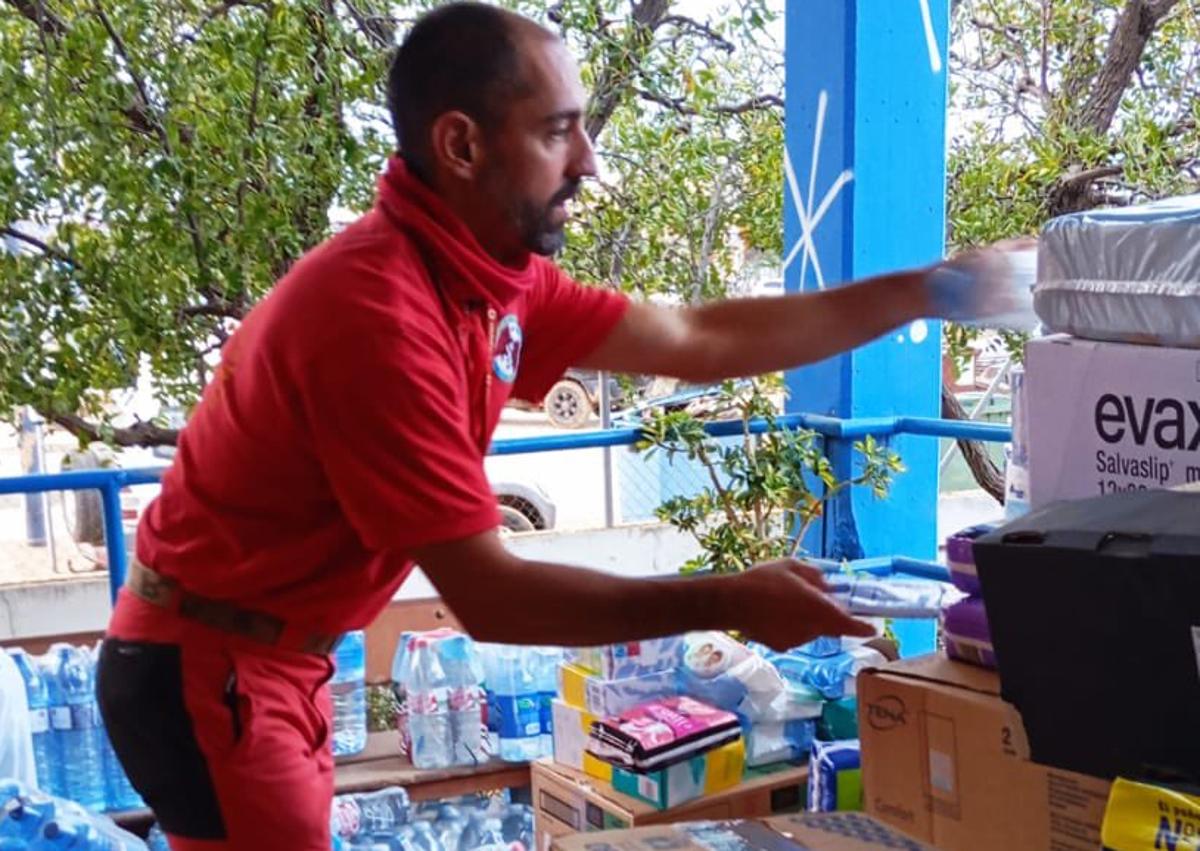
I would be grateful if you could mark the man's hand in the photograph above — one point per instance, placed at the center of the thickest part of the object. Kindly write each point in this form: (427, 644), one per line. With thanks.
(982, 282)
(785, 605)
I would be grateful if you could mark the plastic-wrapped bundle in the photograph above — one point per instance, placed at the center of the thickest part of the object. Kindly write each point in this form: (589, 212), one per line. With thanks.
(729, 675)
(1127, 275)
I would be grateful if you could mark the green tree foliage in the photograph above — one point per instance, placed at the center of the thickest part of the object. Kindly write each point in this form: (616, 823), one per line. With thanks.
(165, 162)
(765, 490)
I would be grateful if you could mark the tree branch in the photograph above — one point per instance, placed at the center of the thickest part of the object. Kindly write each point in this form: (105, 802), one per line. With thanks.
(41, 246)
(379, 30)
(1133, 30)
(686, 23)
(1083, 178)
(755, 104)
(987, 474)
(139, 434)
(621, 63)
(37, 12)
(224, 308)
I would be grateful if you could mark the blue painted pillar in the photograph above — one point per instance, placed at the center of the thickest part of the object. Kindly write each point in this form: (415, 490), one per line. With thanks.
(865, 193)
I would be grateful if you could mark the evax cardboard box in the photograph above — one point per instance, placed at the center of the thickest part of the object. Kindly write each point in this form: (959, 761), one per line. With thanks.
(946, 760)
(805, 832)
(566, 801)
(1107, 417)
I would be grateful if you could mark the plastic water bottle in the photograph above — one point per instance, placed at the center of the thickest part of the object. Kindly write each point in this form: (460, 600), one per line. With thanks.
(349, 695)
(24, 817)
(518, 704)
(423, 838)
(448, 826)
(22, 821)
(45, 757)
(381, 812)
(546, 667)
(517, 826)
(428, 706)
(156, 840)
(491, 838)
(86, 834)
(75, 719)
(472, 831)
(488, 654)
(463, 677)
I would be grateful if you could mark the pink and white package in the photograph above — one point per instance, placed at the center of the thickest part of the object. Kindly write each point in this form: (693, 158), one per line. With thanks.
(661, 733)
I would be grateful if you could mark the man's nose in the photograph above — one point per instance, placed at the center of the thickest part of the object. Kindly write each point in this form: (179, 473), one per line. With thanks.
(583, 164)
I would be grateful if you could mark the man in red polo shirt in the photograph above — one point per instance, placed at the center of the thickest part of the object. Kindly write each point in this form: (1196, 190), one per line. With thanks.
(344, 434)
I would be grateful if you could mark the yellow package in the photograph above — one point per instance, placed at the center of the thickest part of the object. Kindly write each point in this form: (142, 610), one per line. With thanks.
(1142, 817)
(572, 685)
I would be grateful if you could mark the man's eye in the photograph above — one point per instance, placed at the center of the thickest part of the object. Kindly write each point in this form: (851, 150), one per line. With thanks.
(560, 132)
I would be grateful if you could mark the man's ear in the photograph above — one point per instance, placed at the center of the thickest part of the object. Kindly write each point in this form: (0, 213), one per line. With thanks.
(457, 144)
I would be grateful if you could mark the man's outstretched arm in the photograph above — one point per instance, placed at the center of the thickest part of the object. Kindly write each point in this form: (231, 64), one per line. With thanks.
(750, 336)
(502, 598)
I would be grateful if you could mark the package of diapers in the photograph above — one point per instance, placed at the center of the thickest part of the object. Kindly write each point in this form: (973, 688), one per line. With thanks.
(726, 673)
(1129, 275)
(662, 733)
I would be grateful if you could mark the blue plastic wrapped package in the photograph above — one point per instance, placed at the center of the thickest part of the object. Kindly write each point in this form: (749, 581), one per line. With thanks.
(835, 776)
(1129, 275)
(768, 742)
(864, 595)
(832, 677)
(727, 674)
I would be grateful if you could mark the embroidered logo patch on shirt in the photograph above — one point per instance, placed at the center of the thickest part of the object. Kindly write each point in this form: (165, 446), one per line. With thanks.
(506, 351)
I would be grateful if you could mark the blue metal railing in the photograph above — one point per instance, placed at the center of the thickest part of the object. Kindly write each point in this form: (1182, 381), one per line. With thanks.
(110, 482)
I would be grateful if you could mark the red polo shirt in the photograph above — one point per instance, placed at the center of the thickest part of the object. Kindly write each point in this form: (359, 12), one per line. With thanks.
(349, 418)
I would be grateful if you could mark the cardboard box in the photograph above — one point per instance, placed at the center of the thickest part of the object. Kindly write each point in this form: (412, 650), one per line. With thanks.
(824, 831)
(567, 801)
(1106, 417)
(946, 760)
(701, 776)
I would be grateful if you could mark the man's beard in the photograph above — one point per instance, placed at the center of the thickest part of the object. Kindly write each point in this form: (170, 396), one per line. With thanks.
(538, 234)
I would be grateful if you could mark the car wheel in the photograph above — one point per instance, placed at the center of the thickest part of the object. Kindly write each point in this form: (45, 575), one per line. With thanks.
(567, 405)
(512, 520)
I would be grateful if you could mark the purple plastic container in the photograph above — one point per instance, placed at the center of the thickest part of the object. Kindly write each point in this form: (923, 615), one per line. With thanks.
(965, 627)
(960, 555)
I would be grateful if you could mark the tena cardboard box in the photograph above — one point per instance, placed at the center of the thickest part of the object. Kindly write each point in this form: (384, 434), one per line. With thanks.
(807, 832)
(947, 761)
(567, 801)
(1107, 417)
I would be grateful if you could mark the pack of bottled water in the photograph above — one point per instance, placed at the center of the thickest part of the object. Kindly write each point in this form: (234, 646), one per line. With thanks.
(440, 677)
(33, 820)
(388, 820)
(73, 756)
(521, 685)
(464, 702)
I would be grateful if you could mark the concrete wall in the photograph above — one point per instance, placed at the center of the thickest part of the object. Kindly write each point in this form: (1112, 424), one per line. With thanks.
(81, 605)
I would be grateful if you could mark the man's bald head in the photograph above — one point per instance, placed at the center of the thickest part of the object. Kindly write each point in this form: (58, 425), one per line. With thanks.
(462, 57)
